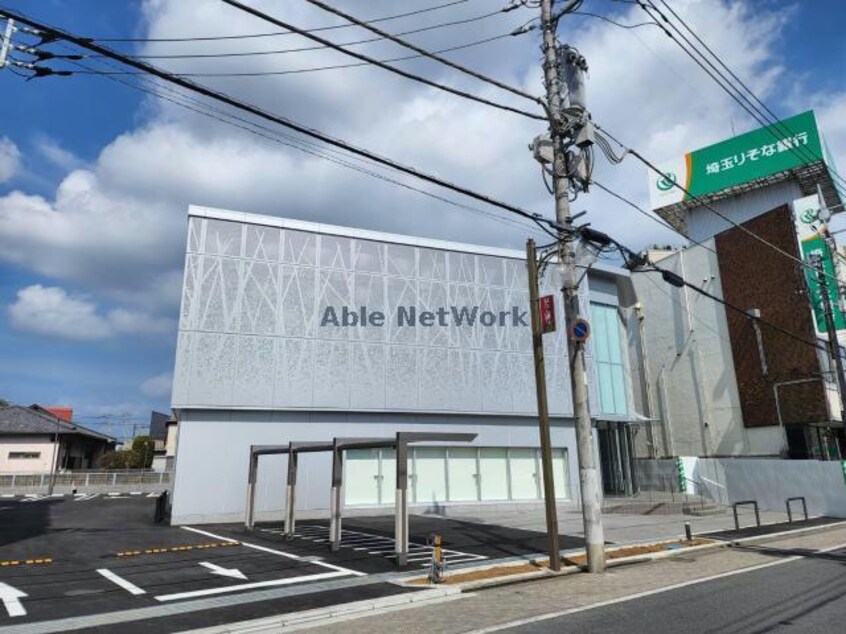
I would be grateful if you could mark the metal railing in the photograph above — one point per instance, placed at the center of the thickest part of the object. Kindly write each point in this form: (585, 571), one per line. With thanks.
(28, 482)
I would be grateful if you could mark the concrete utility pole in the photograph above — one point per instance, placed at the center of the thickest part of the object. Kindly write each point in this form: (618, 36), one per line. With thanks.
(588, 477)
(543, 409)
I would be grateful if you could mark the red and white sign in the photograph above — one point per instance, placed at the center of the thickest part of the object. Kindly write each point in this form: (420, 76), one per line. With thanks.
(547, 314)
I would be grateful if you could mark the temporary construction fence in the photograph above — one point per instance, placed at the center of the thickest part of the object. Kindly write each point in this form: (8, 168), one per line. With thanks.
(86, 481)
(771, 482)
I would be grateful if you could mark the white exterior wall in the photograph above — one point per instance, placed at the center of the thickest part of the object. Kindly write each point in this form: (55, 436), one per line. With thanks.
(770, 483)
(691, 367)
(211, 468)
(43, 464)
(254, 365)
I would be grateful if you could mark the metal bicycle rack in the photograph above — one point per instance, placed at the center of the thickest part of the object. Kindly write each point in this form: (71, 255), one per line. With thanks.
(745, 502)
(789, 511)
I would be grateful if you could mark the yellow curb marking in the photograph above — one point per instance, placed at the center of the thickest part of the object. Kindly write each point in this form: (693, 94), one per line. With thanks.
(173, 549)
(24, 562)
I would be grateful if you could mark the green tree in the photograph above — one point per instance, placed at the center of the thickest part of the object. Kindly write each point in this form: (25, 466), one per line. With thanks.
(141, 453)
(114, 460)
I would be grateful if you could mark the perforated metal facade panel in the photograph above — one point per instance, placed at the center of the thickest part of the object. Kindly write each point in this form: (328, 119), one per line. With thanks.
(256, 291)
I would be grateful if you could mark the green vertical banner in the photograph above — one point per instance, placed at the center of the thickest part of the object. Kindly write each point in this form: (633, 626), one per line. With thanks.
(809, 230)
(843, 466)
(682, 475)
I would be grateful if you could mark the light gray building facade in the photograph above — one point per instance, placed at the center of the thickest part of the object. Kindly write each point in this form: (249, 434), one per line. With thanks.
(296, 331)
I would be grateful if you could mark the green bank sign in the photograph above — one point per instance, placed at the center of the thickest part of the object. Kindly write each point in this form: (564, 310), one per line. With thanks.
(741, 159)
(812, 244)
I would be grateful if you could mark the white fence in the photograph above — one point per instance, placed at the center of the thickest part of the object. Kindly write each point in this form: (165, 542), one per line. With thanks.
(770, 482)
(86, 481)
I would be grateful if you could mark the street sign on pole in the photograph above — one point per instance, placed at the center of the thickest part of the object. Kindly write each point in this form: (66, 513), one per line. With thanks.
(580, 330)
(547, 313)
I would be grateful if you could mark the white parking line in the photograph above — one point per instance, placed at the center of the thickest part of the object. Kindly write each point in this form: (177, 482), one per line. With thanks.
(123, 583)
(275, 552)
(251, 586)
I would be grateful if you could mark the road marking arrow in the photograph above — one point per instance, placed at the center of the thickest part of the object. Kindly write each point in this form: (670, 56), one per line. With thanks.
(223, 572)
(11, 598)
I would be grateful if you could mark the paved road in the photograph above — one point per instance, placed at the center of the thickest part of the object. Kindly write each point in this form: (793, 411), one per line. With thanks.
(806, 595)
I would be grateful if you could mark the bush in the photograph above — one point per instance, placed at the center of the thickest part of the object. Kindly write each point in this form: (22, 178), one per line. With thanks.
(138, 456)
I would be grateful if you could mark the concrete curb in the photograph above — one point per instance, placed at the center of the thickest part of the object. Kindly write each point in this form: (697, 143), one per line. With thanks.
(622, 561)
(780, 534)
(294, 621)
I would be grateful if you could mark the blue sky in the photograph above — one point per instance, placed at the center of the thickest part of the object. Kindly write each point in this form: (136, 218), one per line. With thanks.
(86, 143)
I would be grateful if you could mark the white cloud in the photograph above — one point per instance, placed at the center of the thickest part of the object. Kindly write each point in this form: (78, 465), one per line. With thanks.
(56, 154)
(117, 227)
(10, 159)
(51, 312)
(158, 386)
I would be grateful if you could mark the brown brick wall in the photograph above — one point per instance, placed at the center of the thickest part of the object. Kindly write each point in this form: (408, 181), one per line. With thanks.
(755, 275)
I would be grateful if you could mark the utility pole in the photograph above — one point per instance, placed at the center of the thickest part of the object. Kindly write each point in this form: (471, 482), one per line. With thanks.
(558, 124)
(831, 330)
(57, 447)
(543, 409)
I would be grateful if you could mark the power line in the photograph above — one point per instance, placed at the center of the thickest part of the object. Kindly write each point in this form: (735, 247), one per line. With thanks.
(770, 124)
(256, 111)
(652, 217)
(312, 69)
(720, 61)
(275, 33)
(398, 40)
(614, 22)
(301, 145)
(383, 65)
(302, 49)
(705, 204)
(636, 263)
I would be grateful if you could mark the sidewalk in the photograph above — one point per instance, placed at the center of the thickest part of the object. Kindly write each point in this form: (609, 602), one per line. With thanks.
(620, 528)
(490, 608)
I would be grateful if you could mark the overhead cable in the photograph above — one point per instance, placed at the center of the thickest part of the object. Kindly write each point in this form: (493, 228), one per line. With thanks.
(247, 36)
(310, 69)
(771, 125)
(285, 122)
(365, 58)
(705, 204)
(422, 51)
(302, 49)
(638, 264)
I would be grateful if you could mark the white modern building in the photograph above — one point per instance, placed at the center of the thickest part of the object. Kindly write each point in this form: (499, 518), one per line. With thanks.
(295, 331)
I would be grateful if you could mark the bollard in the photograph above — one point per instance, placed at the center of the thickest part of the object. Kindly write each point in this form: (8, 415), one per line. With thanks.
(688, 535)
(436, 567)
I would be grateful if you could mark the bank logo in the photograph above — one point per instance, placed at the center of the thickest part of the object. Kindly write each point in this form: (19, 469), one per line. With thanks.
(809, 216)
(666, 182)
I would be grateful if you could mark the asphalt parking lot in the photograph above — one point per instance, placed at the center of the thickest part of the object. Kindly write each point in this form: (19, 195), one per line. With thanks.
(100, 563)
(367, 543)
(76, 562)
